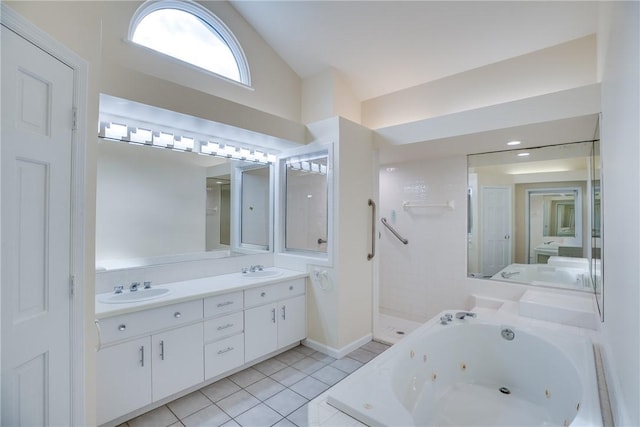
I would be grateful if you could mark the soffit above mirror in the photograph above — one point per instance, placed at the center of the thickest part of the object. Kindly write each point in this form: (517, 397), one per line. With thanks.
(119, 110)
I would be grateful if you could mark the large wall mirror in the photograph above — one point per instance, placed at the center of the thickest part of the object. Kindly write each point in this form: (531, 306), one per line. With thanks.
(156, 206)
(306, 194)
(532, 216)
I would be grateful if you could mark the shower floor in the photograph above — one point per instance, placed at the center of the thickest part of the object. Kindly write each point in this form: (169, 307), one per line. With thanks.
(392, 329)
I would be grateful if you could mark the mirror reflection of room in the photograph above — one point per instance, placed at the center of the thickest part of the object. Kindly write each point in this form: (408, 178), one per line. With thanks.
(218, 213)
(255, 205)
(157, 205)
(306, 204)
(531, 215)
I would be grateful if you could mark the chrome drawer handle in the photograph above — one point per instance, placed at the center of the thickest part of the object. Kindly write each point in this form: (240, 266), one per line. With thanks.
(162, 350)
(223, 304)
(142, 356)
(177, 315)
(273, 315)
(122, 327)
(226, 350)
(227, 326)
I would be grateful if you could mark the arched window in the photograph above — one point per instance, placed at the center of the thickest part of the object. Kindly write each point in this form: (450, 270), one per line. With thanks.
(191, 33)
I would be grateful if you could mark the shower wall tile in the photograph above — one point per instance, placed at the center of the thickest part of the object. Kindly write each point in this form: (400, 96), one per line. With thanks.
(421, 278)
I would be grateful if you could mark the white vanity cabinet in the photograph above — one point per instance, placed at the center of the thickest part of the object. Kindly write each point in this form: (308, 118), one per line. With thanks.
(152, 354)
(277, 317)
(143, 369)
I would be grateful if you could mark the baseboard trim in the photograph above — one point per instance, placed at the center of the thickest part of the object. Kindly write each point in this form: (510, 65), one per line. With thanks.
(335, 352)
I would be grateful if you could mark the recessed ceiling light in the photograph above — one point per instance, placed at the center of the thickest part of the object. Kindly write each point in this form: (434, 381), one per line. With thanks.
(513, 143)
(523, 154)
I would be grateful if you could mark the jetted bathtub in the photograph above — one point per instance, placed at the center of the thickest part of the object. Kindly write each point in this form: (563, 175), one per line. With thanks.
(476, 372)
(557, 276)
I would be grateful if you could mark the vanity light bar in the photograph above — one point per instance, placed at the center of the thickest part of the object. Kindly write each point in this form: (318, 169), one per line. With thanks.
(308, 166)
(161, 139)
(236, 152)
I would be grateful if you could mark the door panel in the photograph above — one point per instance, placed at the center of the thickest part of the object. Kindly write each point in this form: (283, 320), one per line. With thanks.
(35, 170)
(496, 229)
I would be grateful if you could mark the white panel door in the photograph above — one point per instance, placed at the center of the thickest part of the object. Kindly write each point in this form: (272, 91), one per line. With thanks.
(37, 102)
(496, 229)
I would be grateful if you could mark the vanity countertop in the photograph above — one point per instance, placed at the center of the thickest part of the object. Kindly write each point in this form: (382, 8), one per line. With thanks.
(193, 289)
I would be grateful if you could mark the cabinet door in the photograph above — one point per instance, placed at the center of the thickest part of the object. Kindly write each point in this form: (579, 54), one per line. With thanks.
(292, 320)
(123, 378)
(260, 331)
(178, 360)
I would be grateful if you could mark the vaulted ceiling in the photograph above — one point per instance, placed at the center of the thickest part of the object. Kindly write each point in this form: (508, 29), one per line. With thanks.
(385, 46)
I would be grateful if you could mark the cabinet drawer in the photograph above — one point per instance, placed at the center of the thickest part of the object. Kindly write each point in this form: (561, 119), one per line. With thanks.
(221, 304)
(146, 321)
(224, 355)
(275, 292)
(220, 327)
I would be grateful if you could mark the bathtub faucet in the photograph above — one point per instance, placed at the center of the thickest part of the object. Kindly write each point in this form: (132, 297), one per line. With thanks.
(508, 274)
(462, 314)
(446, 319)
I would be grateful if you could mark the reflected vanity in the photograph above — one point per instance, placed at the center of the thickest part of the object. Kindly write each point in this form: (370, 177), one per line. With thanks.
(535, 219)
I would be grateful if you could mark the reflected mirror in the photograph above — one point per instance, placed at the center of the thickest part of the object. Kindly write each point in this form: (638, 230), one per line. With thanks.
(529, 216)
(157, 206)
(255, 207)
(306, 208)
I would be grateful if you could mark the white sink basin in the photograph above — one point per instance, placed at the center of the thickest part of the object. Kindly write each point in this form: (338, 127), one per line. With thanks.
(261, 274)
(137, 296)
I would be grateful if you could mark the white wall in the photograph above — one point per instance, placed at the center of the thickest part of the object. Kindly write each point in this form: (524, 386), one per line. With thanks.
(561, 67)
(275, 88)
(620, 136)
(327, 94)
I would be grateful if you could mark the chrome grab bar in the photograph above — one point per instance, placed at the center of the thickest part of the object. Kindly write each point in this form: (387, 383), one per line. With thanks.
(395, 233)
(373, 230)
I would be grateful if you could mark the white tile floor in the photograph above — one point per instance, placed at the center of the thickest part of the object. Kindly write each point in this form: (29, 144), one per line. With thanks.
(272, 393)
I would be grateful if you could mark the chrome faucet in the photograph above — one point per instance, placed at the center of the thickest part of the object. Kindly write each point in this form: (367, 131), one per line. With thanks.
(446, 319)
(134, 286)
(508, 274)
(463, 314)
(252, 269)
(118, 289)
